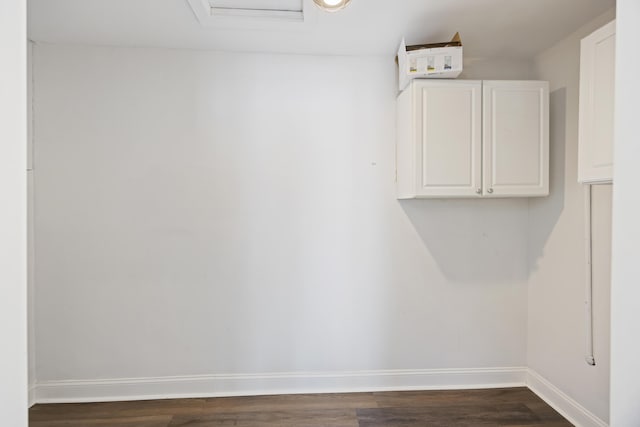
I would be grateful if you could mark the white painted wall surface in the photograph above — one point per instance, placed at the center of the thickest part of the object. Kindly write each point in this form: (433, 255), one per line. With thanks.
(13, 213)
(210, 213)
(625, 293)
(556, 328)
(30, 236)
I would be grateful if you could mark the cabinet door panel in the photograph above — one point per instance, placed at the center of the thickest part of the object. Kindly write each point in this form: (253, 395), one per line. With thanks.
(449, 138)
(597, 89)
(516, 138)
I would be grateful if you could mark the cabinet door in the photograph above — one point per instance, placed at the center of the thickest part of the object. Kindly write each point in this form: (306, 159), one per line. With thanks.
(516, 138)
(448, 119)
(597, 88)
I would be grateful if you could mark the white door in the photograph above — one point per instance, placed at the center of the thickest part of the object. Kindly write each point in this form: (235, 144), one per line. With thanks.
(516, 138)
(448, 118)
(597, 87)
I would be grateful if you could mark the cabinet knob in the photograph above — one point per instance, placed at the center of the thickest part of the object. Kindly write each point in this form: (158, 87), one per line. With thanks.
(478, 190)
(490, 190)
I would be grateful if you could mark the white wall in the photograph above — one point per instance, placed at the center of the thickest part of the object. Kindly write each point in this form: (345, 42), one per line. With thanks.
(30, 236)
(211, 213)
(13, 212)
(556, 329)
(625, 293)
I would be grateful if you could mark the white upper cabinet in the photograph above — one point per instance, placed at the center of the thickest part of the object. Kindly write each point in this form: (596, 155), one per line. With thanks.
(516, 138)
(466, 138)
(597, 89)
(444, 122)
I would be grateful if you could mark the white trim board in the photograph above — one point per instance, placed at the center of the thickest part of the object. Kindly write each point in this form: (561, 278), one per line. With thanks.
(32, 396)
(565, 405)
(276, 383)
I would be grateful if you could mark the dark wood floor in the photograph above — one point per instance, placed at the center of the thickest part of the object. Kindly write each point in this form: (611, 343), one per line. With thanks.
(494, 407)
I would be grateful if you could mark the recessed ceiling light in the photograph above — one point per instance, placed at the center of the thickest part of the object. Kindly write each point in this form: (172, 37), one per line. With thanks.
(331, 5)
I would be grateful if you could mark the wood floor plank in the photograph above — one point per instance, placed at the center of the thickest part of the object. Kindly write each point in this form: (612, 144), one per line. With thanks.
(70, 411)
(290, 418)
(291, 402)
(546, 413)
(472, 415)
(154, 421)
(455, 397)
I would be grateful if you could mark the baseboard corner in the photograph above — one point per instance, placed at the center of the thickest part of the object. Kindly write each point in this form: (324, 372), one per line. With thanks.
(561, 402)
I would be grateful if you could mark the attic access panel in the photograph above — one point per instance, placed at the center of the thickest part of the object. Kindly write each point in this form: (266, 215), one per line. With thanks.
(273, 9)
(240, 13)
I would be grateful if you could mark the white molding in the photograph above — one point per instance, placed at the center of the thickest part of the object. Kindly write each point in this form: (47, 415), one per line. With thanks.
(558, 400)
(32, 396)
(276, 383)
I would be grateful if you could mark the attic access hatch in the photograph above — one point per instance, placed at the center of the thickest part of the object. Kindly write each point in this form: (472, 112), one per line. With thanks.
(251, 13)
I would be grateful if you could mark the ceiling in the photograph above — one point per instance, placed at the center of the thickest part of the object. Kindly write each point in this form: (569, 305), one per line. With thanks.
(489, 28)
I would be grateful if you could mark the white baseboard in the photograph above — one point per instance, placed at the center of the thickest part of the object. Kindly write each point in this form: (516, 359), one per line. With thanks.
(32, 395)
(565, 405)
(278, 383)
